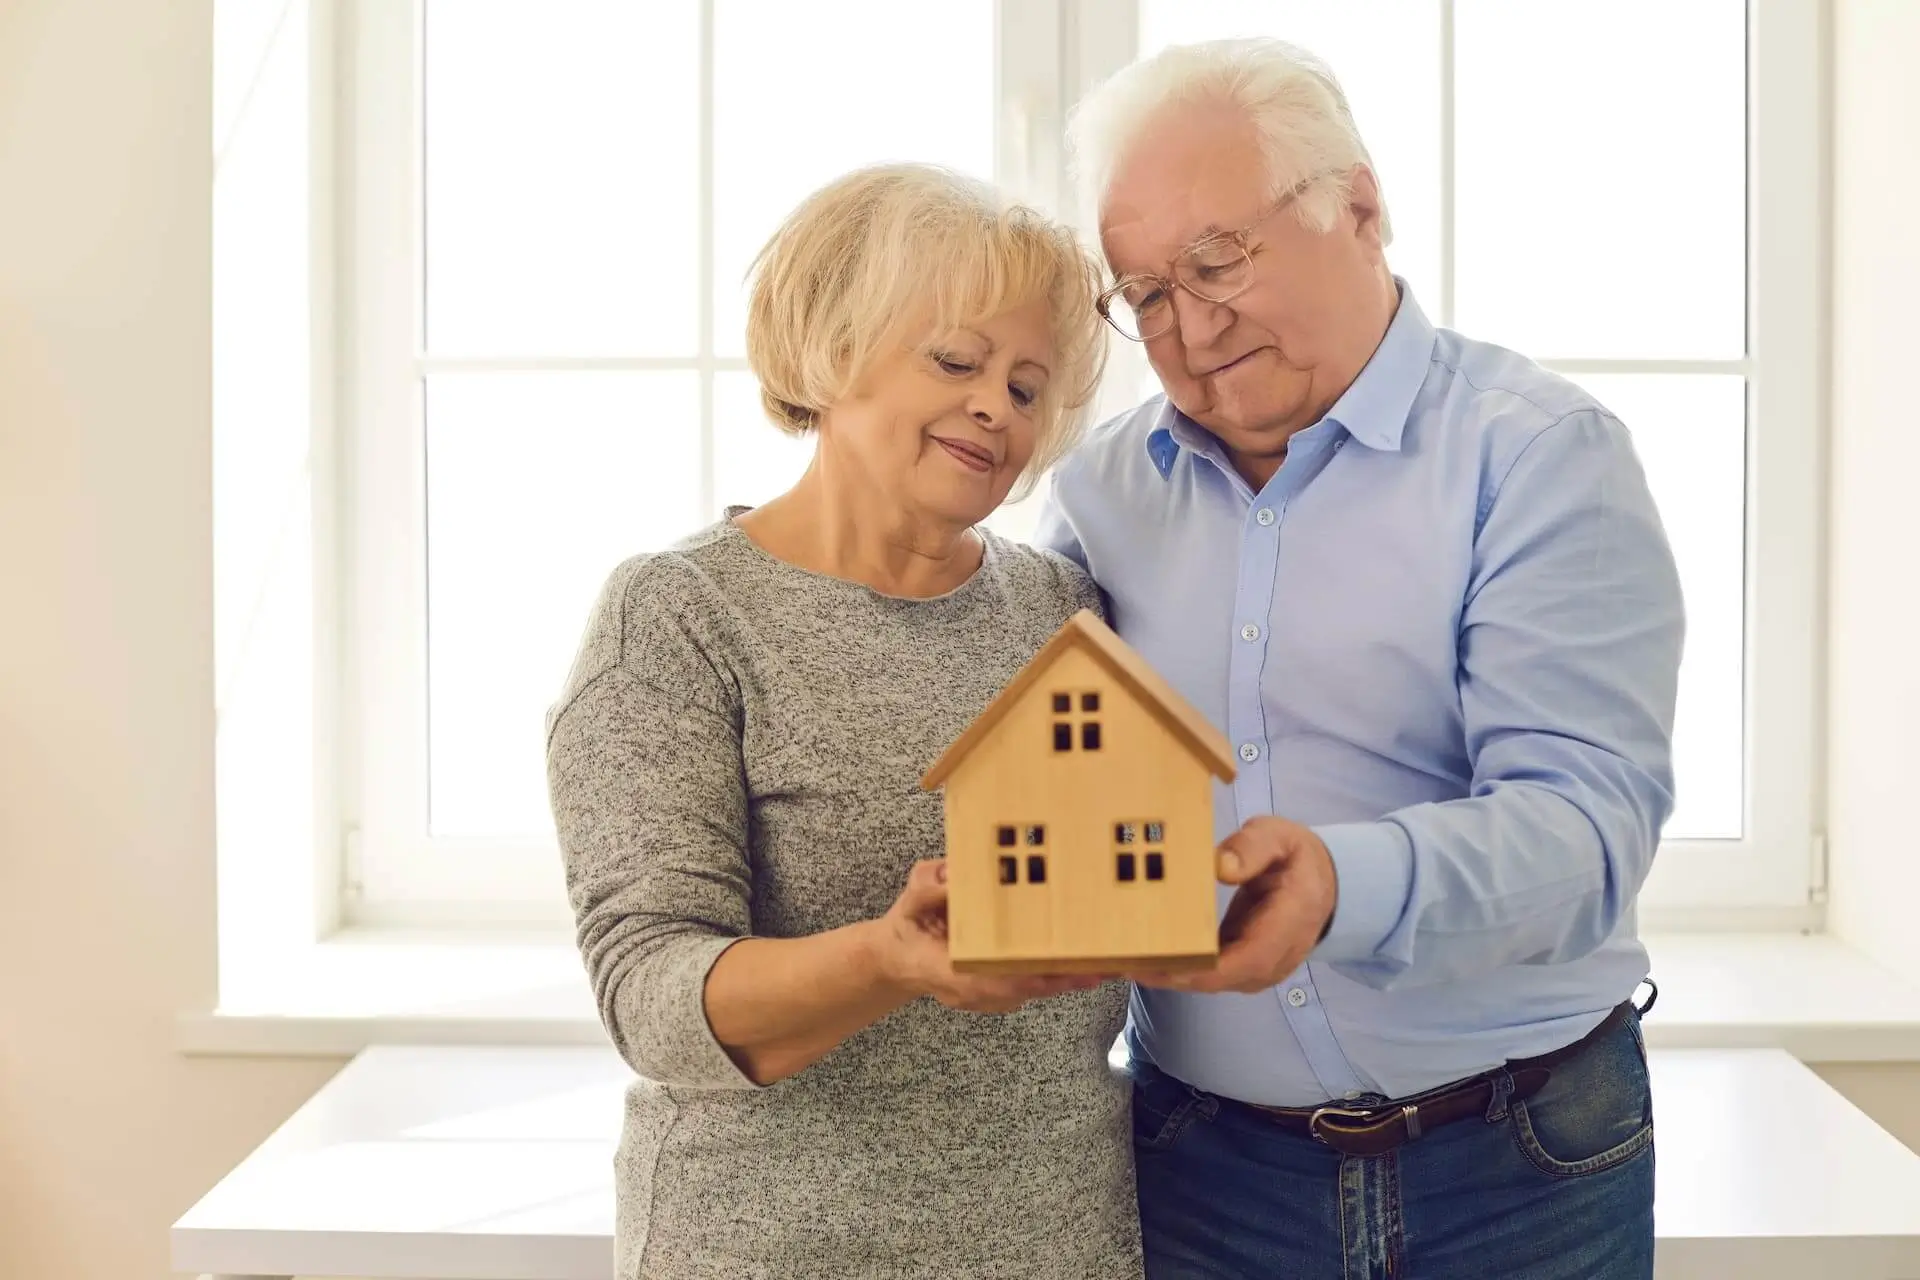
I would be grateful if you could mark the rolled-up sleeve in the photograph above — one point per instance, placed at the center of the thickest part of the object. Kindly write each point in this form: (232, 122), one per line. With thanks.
(645, 780)
(1570, 644)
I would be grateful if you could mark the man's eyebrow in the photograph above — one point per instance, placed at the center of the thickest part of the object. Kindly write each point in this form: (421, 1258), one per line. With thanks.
(1212, 231)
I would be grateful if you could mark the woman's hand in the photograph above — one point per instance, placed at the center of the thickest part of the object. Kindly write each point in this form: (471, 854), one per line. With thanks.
(912, 953)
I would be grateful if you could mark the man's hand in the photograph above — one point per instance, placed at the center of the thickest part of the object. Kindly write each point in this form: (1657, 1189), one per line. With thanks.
(1282, 907)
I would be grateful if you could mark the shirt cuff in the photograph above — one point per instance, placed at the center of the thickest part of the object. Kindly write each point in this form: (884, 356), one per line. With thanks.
(1373, 869)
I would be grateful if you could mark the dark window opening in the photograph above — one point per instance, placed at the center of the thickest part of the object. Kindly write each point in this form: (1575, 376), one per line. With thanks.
(1156, 867)
(1090, 735)
(1036, 835)
(1009, 870)
(1063, 702)
(1036, 868)
(1005, 836)
(1062, 736)
(1089, 702)
(1123, 866)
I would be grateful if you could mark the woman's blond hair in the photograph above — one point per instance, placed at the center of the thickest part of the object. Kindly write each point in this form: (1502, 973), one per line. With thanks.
(896, 244)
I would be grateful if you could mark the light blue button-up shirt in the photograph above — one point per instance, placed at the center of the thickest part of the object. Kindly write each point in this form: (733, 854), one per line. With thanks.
(1446, 635)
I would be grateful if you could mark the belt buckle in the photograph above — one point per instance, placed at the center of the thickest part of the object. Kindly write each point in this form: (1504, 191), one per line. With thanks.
(1345, 1113)
(1409, 1112)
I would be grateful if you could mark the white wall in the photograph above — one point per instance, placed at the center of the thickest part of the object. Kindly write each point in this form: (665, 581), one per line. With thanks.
(1874, 620)
(106, 730)
(106, 722)
(1874, 549)
(1887, 1091)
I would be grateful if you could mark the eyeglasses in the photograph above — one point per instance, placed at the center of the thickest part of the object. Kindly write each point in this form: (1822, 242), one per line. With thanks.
(1216, 269)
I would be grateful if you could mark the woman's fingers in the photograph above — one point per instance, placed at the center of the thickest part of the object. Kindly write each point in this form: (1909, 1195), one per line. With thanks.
(926, 890)
(1002, 995)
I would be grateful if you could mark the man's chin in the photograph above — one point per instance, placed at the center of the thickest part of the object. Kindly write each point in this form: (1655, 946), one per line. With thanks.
(1252, 428)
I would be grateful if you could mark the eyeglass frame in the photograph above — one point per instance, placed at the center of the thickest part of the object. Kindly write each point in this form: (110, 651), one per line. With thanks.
(1238, 238)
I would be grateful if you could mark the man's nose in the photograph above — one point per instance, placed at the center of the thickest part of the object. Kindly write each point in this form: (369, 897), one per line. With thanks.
(1199, 321)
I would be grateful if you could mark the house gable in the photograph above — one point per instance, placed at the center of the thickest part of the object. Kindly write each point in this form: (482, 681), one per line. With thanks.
(1086, 633)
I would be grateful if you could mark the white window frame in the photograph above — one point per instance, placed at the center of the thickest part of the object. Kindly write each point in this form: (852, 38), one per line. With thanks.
(393, 872)
(1050, 51)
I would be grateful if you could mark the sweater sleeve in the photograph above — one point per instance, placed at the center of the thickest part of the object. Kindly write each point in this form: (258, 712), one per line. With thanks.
(649, 802)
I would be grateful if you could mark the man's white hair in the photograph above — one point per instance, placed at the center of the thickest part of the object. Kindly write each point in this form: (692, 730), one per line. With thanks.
(1292, 98)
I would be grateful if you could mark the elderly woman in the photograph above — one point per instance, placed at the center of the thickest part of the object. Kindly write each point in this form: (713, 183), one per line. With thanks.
(734, 766)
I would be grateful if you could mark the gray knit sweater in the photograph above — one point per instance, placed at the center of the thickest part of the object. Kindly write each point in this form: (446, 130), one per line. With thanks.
(737, 752)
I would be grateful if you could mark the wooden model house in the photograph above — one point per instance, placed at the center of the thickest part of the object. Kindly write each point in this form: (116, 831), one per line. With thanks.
(1079, 818)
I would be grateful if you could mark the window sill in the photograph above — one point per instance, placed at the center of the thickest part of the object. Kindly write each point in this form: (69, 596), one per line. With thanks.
(1810, 995)
(498, 1164)
(366, 987)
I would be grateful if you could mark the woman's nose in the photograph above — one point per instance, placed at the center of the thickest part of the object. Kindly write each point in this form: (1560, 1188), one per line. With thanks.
(992, 411)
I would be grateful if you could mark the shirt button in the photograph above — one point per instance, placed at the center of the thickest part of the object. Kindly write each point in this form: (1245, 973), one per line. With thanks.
(1296, 997)
(1264, 515)
(1249, 752)
(1250, 632)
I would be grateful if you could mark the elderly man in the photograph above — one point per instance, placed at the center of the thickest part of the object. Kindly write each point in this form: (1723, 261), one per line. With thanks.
(1421, 585)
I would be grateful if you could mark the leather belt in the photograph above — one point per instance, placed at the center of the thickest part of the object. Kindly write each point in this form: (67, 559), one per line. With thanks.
(1374, 1131)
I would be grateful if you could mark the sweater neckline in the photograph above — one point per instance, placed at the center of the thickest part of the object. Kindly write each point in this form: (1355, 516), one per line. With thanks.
(989, 560)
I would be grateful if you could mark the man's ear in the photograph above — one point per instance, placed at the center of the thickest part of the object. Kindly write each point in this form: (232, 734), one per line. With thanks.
(1363, 201)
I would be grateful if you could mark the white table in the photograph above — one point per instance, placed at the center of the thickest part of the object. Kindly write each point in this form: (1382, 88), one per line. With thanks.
(496, 1164)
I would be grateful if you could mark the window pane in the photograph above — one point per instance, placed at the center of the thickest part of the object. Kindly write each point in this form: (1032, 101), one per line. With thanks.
(1601, 179)
(805, 92)
(753, 460)
(1386, 55)
(561, 183)
(1690, 433)
(537, 486)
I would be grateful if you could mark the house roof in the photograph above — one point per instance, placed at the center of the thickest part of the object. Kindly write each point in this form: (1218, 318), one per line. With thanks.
(1085, 631)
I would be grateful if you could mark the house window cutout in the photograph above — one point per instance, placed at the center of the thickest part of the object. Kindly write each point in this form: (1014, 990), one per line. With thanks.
(1126, 862)
(1034, 838)
(1063, 705)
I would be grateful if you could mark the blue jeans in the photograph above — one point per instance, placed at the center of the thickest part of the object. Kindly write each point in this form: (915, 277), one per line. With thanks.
(1556, 1187)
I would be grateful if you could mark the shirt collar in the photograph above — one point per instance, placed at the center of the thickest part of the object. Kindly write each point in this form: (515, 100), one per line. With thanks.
(1373, 410)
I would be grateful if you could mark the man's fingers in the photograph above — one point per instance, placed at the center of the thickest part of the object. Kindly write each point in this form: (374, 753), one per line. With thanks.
(1248, 854)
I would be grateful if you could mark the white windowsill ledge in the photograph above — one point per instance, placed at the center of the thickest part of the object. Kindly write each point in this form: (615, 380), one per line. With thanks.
(1810, 995)
(498, 1164)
